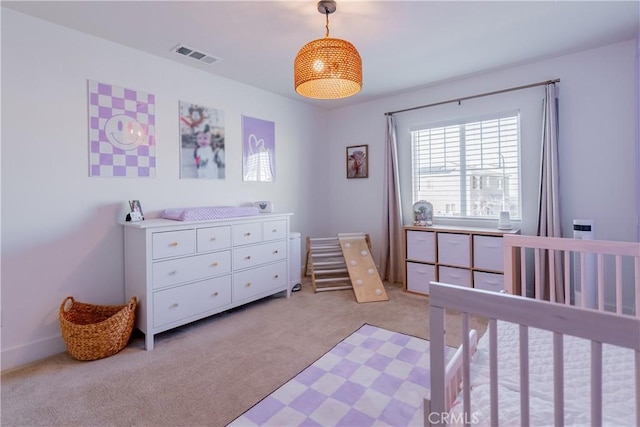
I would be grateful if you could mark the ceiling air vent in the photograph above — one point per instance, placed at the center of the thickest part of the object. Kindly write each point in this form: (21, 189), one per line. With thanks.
(195, 54)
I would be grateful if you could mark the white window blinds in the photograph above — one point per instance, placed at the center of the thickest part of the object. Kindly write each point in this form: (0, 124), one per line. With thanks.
(468, 169)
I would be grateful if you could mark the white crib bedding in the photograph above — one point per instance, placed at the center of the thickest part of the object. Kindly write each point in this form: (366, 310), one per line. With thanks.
(617, 385)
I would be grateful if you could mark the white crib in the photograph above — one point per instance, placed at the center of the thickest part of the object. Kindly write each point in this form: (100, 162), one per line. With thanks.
(515, 322)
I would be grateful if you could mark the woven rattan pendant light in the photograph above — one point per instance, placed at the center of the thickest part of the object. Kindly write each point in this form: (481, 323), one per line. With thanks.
(328, 68)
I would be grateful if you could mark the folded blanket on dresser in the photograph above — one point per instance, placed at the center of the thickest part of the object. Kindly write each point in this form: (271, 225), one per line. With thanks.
(209, 212)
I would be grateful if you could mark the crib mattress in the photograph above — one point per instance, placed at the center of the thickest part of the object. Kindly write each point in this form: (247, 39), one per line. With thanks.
(209, 212)
(618, 381)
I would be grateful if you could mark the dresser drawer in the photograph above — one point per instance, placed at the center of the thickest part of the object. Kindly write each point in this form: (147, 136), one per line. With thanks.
(246, 234)
(488, 281)
(487, 253)
(172, 305)
(419, 276)
(454, 276)
(454, 249)
(251, 256)
(274, 230)
(213, 238)
(421, 246)
(174, 271)
(173, 243)
(257, 281)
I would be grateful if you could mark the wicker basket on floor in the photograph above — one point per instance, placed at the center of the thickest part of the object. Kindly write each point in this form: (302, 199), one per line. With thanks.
(95, 331)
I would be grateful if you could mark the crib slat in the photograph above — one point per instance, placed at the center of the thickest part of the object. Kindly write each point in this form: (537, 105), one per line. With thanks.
(436, 365)
(524, 375)
(493, 370)
(523, 272)
(508, 259)
(596, 383)
(637, 306)
(558, 379)
(583, 286)
(600, 282)
(466, 363)
(538, 274)
(619, 284)
(567, 277)
(552, 275)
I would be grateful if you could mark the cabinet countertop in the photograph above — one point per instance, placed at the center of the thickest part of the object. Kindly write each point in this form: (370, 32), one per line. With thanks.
(463, 229)
(162, 222)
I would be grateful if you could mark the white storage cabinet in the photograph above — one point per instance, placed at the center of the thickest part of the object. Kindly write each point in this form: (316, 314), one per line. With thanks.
(184, 271)
(470, 257)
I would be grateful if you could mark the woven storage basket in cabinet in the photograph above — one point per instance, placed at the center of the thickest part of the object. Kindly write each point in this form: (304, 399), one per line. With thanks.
(95, 331)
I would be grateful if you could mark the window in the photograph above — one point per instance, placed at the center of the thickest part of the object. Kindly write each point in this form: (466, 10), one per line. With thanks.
(468, 169)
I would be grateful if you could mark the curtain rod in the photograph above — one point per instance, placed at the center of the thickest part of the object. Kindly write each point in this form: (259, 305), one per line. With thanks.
(459, 100)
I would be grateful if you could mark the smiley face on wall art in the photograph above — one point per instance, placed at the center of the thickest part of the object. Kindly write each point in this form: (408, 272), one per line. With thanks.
(121, 132)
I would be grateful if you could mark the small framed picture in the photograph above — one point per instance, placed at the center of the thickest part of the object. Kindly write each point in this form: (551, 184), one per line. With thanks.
(358, 161)
(136, 211)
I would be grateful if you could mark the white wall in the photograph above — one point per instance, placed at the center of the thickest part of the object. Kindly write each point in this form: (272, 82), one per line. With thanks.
(598, 143)
(60, 232)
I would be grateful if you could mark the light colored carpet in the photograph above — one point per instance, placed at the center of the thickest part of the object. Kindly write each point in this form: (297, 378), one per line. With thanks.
(209, 372)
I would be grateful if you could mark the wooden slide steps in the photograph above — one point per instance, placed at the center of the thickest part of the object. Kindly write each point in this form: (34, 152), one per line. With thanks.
(344, 262)
(326, 264)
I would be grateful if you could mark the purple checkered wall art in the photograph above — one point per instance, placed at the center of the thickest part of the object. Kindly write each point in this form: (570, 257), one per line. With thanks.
(121, 132)
(258, 150)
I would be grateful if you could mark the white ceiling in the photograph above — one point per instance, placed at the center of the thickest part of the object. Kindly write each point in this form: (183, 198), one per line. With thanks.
(403, 44)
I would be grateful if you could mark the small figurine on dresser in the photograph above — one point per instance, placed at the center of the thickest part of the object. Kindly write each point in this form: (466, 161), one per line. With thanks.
(422, 213)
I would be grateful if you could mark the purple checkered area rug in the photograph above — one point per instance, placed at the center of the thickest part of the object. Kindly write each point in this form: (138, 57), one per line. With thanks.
(372, 377)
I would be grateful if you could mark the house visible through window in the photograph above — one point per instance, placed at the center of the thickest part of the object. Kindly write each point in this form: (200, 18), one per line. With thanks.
(468, 169)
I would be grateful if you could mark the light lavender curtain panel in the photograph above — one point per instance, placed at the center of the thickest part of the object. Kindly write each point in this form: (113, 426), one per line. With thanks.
(391, 258)
(549, 198)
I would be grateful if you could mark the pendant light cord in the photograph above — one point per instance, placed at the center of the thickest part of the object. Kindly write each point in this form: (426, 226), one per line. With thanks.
(326, 11)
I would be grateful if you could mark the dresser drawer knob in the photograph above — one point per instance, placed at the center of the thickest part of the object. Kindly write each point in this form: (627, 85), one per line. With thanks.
(173, 273)
(213, 238)
(275, 230)
(275, 252)
(174, 244)
(247, 285)
(174, 305)
(215, 294)
(248, 257)
(247, 234)
(276, 276)
(215, 264)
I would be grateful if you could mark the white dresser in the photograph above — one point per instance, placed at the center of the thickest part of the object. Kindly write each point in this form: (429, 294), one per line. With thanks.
(464, 256)
(185, 271)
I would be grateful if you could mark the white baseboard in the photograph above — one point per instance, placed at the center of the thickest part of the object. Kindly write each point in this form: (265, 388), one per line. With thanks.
(21, 355)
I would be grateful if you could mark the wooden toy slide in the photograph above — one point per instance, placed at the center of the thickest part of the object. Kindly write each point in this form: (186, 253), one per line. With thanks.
(326, 262)
(366, 282)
